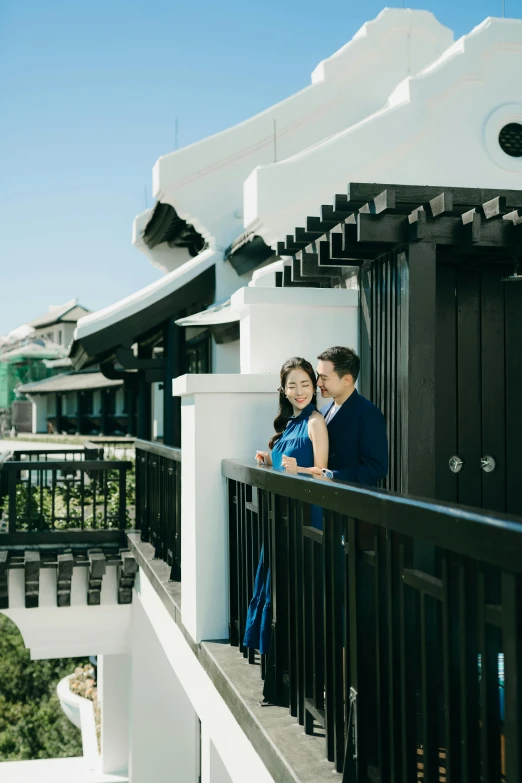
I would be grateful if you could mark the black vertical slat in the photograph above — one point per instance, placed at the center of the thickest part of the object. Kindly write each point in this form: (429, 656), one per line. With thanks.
(468, 384)
(378, 335)
(318, 625)
(512, 642)
(392, 651)
(513, 326)
(446, 384)
(94, 485)
(417, 369)
(250, 565)
(280, 586)
(355, 764)
(176, 572)
(469, 681)
(333, 623)
(451, 668)
(374, 331)
(82, 499)
(493, 378)
(293, 670)
(429, 711)
(299, 621)
(381, 656)
(233, 587)
(489, 648)
(365, 331)
(122, 499)
(242, 596)
(308, 628)
(409, 668)
(393, 445)
(12, 500)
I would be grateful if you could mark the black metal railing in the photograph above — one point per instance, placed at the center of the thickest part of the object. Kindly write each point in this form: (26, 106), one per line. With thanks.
(158, 501)
(63, 498)
(397, 627)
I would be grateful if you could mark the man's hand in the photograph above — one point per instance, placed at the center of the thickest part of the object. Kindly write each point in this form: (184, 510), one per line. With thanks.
(289, 464)
(318, 473)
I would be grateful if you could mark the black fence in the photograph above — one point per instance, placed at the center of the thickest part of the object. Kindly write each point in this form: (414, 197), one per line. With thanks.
(397, 627)
(158, 501)
(55, 496)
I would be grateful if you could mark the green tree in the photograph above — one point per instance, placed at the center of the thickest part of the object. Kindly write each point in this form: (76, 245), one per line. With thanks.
(32, 724)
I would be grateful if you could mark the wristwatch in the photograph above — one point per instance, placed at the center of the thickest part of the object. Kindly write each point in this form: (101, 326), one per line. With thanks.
(327, 473)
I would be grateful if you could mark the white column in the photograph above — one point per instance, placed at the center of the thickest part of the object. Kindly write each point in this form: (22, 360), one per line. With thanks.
(276, 323)
(221, 416)
(164, 745)
(114, 695)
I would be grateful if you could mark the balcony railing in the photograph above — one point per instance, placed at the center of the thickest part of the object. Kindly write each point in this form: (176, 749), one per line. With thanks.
(64, 497)
(394, 627)
(158, 501)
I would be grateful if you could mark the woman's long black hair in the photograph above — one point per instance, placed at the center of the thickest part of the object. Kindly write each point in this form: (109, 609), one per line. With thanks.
(286, 410)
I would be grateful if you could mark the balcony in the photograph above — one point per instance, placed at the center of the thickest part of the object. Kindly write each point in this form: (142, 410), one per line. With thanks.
(395, 632)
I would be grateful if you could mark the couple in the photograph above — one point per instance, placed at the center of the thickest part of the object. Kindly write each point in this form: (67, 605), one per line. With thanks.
(346, 441)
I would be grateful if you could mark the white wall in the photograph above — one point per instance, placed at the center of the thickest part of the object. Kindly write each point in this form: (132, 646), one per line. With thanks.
(50, 631)
(277, 323)
(163, 723)
(157, 411)
(225, 357)
(221, 416)
(39, 402)
(156, 639)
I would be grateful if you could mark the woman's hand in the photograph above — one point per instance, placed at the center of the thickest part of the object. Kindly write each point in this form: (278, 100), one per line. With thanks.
(263, 458)
(289, 464)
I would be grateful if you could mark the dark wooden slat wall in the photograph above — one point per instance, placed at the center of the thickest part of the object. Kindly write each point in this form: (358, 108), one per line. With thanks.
(469, 378)
(493, 387)
(513, 303)
(446, 485)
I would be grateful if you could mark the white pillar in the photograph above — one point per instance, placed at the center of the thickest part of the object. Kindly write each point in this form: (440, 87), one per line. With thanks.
(221, 416)
(164, 745)
(276, 323)
(114, 695)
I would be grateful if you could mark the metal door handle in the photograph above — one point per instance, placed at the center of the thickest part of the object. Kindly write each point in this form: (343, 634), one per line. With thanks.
(455, 464)
(488, 464)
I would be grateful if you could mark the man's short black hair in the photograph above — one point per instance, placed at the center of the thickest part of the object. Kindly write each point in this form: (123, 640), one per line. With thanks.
(344, 360)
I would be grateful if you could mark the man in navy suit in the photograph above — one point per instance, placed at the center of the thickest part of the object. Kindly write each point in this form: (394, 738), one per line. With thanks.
(358, 450)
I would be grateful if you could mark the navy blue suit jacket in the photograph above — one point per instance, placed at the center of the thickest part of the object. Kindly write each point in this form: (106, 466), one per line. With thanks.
(358, 449)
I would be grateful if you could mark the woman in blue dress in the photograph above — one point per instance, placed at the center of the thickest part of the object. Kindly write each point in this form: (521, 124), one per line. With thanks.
(300, 443)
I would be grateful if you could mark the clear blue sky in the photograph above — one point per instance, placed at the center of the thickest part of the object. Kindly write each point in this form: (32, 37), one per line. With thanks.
(89, 94)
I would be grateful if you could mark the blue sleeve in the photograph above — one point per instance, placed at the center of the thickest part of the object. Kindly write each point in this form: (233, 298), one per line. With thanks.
(373, 450)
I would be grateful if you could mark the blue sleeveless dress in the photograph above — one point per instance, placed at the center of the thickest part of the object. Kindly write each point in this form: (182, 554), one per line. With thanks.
(294, 442)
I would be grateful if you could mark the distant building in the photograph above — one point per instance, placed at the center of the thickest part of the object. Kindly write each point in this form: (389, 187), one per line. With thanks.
(27, 354)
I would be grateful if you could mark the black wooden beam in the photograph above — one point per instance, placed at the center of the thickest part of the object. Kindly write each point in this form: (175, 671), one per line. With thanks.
(32, 578)
(64, 572)
(382, 203)
(310, 267)
(4, 580)
(298, 277)
(289, 283)
(126, 576)
(465, 230)
(390, 229)
(97, 569)
(410, 197)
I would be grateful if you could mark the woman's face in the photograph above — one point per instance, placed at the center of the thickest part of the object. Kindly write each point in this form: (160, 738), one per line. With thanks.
(299, 388)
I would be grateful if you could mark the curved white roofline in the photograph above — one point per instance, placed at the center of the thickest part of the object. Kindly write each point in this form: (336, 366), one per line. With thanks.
(204, 182)
(433, 130)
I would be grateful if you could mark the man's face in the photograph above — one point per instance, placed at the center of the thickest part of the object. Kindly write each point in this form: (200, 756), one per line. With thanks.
(328, 382)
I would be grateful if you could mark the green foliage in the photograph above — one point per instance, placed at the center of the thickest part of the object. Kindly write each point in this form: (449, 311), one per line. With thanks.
(32, 724)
